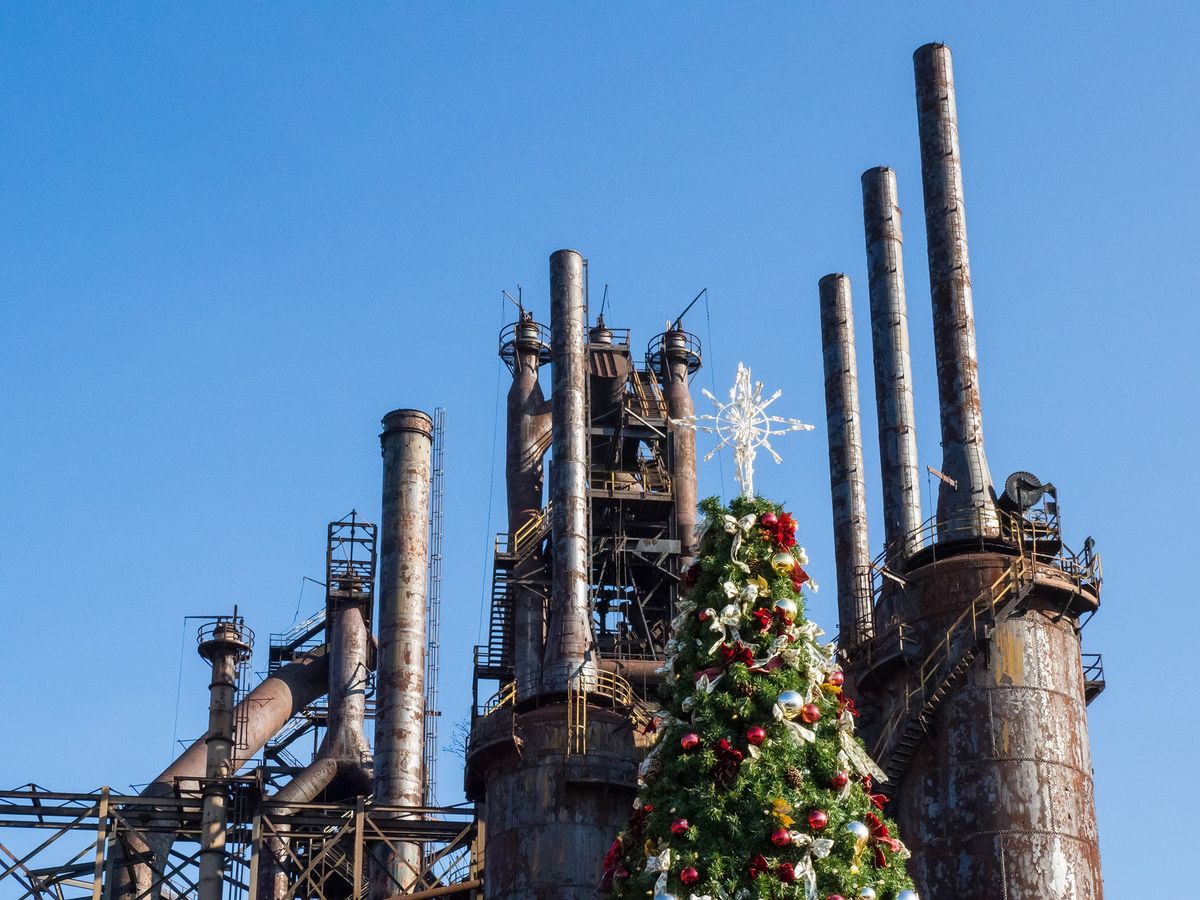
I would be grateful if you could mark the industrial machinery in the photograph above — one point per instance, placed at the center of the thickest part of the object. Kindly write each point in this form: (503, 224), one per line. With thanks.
(963, 635)
(584, 588)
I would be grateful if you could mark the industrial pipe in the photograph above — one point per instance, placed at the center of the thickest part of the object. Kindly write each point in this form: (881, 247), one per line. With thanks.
(406, 441)
(677, 361)
(846, 482)
(263, 711)
(569, 642)
(965, 504)
(528, 439)
(893, 364)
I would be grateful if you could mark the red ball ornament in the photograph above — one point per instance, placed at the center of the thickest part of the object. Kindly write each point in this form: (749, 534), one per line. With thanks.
(689, 875)
(837, 678)
(679, 826)
(835, 897)
(840, 780)
(781, 837)
(703, 615)
(817, 819)
(756, 735)
(810, 713)
(786, 872)
(690, 741)
(621, 873)
(770, 519)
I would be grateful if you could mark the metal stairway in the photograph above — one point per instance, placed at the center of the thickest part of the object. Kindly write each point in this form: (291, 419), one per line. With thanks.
(944, 668)
(496, 660)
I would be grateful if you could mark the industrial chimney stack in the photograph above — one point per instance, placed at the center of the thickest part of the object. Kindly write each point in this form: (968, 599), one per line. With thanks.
(965, 500)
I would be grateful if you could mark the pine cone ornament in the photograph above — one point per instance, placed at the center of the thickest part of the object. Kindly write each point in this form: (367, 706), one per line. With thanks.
(654, 769)
(794, 778)
(746, 689)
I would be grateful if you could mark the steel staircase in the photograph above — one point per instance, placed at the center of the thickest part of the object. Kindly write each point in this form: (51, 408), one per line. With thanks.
(497, 659)
(945, 667)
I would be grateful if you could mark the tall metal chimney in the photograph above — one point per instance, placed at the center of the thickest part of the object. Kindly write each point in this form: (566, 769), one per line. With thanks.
(527, 440)
(679, 361)
(965, 505)
(225, 644)
(893, 364)
(845, 462)
(569, 641)
(407, 441)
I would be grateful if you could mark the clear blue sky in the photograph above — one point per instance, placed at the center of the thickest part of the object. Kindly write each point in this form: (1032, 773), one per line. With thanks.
(233, 238)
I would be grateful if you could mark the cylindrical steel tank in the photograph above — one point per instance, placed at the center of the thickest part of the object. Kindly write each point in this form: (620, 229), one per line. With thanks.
(548, 816)
(406, 441)
(893, 363)
(965, 509)
(998, 800)
(846, 479)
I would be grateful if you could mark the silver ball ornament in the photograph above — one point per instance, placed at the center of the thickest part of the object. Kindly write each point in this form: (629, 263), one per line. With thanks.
(860, 831)
(907, 895)
(866, 893)
(791, 702)
(787, 606)
(664, 897)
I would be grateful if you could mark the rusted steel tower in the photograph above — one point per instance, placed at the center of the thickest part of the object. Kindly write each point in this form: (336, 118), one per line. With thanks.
(973, 670)
(583, 592)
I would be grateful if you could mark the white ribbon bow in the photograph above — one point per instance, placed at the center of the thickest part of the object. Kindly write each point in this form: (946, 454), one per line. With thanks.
(739, 528)
(806, 874)
(798, 732)
(725, 624)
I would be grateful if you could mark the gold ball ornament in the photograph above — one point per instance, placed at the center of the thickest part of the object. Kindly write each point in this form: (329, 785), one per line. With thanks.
(783, 563)
(791, 702)
(787, 606)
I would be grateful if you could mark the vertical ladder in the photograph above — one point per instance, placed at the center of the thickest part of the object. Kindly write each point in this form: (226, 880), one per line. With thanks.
(433, 612)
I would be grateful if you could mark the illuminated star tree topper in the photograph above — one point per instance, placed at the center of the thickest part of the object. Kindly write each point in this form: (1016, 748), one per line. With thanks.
(743, 423)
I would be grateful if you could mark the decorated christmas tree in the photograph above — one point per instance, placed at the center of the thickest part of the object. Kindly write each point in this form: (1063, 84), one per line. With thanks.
(756, 786)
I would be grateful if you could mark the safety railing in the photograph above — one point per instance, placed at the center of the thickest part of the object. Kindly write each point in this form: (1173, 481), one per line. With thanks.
(1037, 539)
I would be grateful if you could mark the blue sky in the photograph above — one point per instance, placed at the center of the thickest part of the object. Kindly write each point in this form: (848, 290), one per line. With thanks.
(234, 237)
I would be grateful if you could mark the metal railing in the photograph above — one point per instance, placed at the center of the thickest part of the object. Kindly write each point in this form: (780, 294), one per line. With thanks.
(1037, 538)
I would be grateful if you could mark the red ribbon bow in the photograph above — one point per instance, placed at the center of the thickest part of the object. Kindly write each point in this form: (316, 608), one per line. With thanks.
(880, 838)
(738, 653)
(782, 530)
(758, 866)
(762, 618)
(729, 758)
(799, 576)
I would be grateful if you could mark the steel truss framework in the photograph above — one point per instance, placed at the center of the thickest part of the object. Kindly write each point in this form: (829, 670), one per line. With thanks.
(328, 844)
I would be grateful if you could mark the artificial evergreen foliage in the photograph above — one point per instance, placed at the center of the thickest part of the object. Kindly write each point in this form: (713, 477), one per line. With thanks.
(775, 799)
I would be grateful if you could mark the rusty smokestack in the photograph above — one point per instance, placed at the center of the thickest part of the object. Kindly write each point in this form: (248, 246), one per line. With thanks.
(965, 505)
(893, 363)
(679, 361)
(527, 440)
(225, 644)
(569, 641)
(406, 441)
(846, 481)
